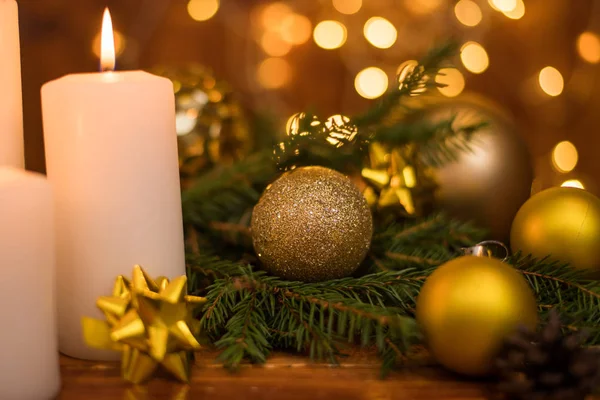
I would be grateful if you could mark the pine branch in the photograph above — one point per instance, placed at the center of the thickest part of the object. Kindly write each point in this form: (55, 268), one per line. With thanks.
(365, 310)
(571, 292)
(246, 335)
(421, 243)
(424, 73)
(343, 146)
(436, 143)
(220, 203)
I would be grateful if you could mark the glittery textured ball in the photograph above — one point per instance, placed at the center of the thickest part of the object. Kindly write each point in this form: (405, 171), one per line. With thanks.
(312, 224)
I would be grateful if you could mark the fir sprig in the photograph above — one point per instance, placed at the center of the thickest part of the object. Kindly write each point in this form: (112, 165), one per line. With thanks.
(250, 311)
(419, 80)
(439, 143)
(422, 244)
(569, 291)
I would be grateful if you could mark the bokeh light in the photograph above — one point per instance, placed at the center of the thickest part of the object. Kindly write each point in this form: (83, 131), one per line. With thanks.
(518, 12)
(573, 183)
(202, 10)
(453, 79)
(503, 5)
(474, 57)
(184, 123)
(273, 14)
(120, 43)
(295, 29)
(330, 34)
(588, 46)
(468, 12)
(551, 81)
(347, 6)
(564, 156)
(371, 82)
(274, 45)
(273, 73)
(380, 32)
(422, 7)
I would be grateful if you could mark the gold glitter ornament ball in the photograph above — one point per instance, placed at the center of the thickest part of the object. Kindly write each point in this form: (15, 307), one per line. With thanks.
(468, 306)
(563, 223)
(312, 224)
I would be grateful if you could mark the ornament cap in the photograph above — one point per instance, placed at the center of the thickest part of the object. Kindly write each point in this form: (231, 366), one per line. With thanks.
(488, 248)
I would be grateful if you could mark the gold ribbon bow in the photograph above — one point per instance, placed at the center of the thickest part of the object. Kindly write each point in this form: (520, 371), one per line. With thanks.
(150, 321)
(395, 181)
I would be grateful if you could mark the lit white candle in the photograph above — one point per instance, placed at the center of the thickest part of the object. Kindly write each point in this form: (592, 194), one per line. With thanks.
(111, 153)
(29, 363)
(11, 108)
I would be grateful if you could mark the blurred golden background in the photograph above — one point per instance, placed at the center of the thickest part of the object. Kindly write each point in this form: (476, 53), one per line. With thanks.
(536, 58)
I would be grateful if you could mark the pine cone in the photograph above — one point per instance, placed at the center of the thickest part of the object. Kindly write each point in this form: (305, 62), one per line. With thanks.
(548, 364)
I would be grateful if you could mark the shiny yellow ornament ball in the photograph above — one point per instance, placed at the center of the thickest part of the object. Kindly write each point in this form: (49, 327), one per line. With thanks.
(468, 306)
(561, 222)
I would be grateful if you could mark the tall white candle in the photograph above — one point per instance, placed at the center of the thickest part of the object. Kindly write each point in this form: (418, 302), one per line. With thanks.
(11, 108)
(29, 363)
(111, 153)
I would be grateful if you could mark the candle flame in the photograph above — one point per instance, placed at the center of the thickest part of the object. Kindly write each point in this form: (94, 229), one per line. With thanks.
(107, 44)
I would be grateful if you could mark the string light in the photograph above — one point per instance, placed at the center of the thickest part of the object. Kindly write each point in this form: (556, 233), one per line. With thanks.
(202, 10)
(588, 46)
(565, 157)
(422, 7)
(371, 82)
(273, 14)
(551, 81)
(503, 5)
(380, 32)
(295, 29)
(468, 12)
(347, 6)
(273, 73)
(330, 34)
(453, 79)
(573, 183)
(517, 12)
(274, 45)
(474, 57)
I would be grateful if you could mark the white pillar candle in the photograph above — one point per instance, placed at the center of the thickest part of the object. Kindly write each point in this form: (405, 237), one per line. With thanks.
(11, 108)
(29, 363)
(111, 153)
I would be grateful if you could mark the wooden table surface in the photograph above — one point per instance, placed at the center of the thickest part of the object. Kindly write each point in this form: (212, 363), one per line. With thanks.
(285, 376)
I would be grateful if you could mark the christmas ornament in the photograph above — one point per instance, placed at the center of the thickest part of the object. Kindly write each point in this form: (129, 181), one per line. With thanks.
(548, 364)
(563, 223)
(312, 224)
(338, 129)
(212, 127)
(150, 322)
(489, 183)
(468, 306)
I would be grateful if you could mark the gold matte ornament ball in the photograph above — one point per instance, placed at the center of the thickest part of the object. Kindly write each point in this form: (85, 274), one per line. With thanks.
(312, 224)
(468, 306)
(561, 222)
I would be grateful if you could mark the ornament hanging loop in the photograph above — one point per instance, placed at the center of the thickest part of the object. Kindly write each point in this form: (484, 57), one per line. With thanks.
(488, 248)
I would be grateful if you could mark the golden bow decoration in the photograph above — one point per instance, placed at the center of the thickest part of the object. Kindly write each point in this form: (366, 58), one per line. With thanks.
(151, 322)
(396, 181)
